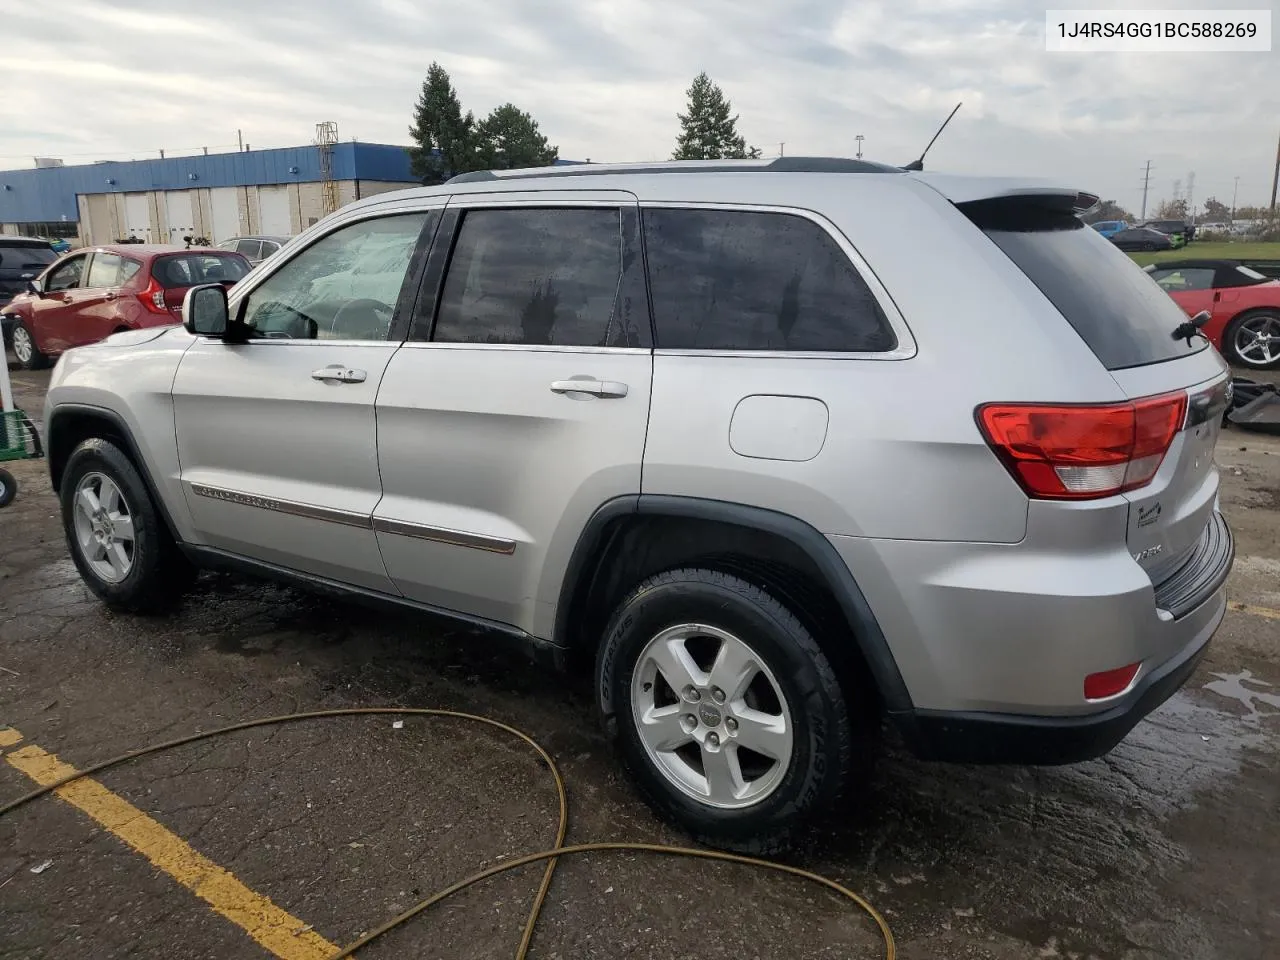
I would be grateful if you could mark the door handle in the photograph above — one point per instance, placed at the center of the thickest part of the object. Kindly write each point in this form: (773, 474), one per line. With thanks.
(597, 388)
(337, 373)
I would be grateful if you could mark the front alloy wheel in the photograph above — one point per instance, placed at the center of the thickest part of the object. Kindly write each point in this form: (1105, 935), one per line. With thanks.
(104, 527)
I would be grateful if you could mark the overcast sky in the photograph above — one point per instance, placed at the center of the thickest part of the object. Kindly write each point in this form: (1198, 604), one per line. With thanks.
(93, 79)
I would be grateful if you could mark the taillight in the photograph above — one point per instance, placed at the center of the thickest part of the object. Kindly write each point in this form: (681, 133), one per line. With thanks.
(153, 297)
(1073, 452)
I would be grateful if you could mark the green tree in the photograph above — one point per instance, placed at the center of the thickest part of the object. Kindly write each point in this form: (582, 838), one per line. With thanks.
(709, 131)
(1107, 210)
(444, 139)
(1215, 211)
(509, 138)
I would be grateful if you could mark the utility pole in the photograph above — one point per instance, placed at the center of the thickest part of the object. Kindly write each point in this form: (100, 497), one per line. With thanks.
(782, 149)
(1146, 185)
(1274, 180)
(859, 138)
(1234, 193)
(1191, 194)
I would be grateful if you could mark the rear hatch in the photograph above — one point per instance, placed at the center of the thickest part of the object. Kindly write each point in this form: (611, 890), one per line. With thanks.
(1128, 322)
(175, 274)
(21, 261)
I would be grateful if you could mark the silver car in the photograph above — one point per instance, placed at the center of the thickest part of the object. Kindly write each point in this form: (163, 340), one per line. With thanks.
(785, 449)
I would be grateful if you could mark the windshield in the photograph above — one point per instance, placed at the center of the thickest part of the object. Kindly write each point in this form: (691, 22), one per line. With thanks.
(1116, 308)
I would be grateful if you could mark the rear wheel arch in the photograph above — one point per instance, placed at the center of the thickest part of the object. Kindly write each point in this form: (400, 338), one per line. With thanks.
(631, 538)
(72, 424)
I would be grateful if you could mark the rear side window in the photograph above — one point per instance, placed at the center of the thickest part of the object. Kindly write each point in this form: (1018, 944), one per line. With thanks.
(1184, 279)
(192, 269)
(249, 248)
(104, 271)
(1126, 318)
(535, 276)
(742, 280)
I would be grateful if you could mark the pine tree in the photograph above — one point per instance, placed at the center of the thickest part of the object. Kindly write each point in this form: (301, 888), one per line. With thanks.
(509, 138)
(709, 131)
(445, 141)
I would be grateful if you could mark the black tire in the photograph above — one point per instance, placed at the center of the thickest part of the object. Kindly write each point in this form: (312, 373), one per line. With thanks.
(825, 745)
(1229, 340)
(8, 488)
(34, 360)
(159, 572)
(1148, 245)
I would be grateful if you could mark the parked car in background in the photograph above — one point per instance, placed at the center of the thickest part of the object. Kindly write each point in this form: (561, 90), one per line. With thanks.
(21, 260)
(91, 294)
(1141, 238)
(254, 249)
(1179, 231)
(1244, 306)
(1109, 228)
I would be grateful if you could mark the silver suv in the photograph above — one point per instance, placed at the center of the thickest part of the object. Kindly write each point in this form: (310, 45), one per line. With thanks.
(787, 449)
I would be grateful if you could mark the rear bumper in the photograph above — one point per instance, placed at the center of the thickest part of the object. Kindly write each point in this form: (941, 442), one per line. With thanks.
(1008, 738)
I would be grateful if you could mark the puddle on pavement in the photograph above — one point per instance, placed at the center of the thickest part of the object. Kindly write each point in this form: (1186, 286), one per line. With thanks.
(1249, 690)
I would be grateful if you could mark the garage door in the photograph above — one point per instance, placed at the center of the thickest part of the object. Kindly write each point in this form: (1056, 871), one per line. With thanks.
(102, 226)
(224, 207)
(137, 216)
(274, 204)
(182, 213)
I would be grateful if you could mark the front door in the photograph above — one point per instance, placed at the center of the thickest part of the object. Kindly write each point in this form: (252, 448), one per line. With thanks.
(96, 316)
(53, 313)
(277, 434)
(520, 403)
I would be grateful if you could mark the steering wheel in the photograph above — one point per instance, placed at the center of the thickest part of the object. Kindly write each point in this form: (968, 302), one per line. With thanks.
(373, 315)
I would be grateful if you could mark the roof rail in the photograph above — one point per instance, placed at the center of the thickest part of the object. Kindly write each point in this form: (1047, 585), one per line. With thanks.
(776, 165)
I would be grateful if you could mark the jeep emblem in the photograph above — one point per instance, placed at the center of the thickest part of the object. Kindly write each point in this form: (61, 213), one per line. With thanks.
(709, 714)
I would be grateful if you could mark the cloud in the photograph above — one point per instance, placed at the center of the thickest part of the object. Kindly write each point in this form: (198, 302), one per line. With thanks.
(605, 79)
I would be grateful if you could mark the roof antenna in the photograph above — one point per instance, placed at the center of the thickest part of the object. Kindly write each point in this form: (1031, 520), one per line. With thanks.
(919, 164)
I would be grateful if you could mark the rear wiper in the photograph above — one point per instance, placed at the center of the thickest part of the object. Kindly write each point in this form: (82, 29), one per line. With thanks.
(1191, 328)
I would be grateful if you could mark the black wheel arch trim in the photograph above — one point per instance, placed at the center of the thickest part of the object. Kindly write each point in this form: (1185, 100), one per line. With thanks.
(839, 579)
(63, 411)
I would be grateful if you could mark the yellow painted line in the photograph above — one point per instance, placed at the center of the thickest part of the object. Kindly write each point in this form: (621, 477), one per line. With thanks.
(283, 934)
(1256, 611)
(9, 736)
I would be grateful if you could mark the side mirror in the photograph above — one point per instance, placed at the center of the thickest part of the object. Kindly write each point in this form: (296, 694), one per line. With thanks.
(36, 287)
(204, 310)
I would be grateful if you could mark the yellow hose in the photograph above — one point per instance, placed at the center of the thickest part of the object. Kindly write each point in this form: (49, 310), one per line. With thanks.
(551, 856)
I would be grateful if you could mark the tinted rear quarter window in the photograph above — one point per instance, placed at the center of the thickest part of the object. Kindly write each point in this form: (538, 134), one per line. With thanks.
(746, 280)
(1116, 308)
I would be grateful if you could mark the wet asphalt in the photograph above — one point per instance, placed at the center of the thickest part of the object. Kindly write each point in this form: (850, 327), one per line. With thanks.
(1168, 847)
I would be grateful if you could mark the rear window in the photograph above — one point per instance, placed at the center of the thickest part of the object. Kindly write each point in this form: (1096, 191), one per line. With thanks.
(21, 256)
(188, 270)
(1116, 308)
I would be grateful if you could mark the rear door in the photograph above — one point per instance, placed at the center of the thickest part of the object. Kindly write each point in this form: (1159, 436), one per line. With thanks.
(96, 317)
(1128, 321)
(53, 313)
(277, 434)
(520, 404)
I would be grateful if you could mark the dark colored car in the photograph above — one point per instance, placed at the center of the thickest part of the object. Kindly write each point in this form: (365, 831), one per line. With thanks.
(1243, 305)
(1179, 231)
(90, 294)
(1142, 238)
(21, 259)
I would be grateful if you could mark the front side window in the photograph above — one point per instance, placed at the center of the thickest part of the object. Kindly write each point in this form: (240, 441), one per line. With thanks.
(742, 280)
(65, 276)
(535, 276)
(104, 271)
(1184, 280)
(342, 287)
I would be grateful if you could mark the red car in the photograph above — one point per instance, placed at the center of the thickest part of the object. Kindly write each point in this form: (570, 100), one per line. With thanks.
(90, 294)
(1244, 305)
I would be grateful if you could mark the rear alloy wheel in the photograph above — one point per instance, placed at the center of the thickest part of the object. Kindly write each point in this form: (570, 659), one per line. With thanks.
(1253, 340)
(726, 712)
(25, 349)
